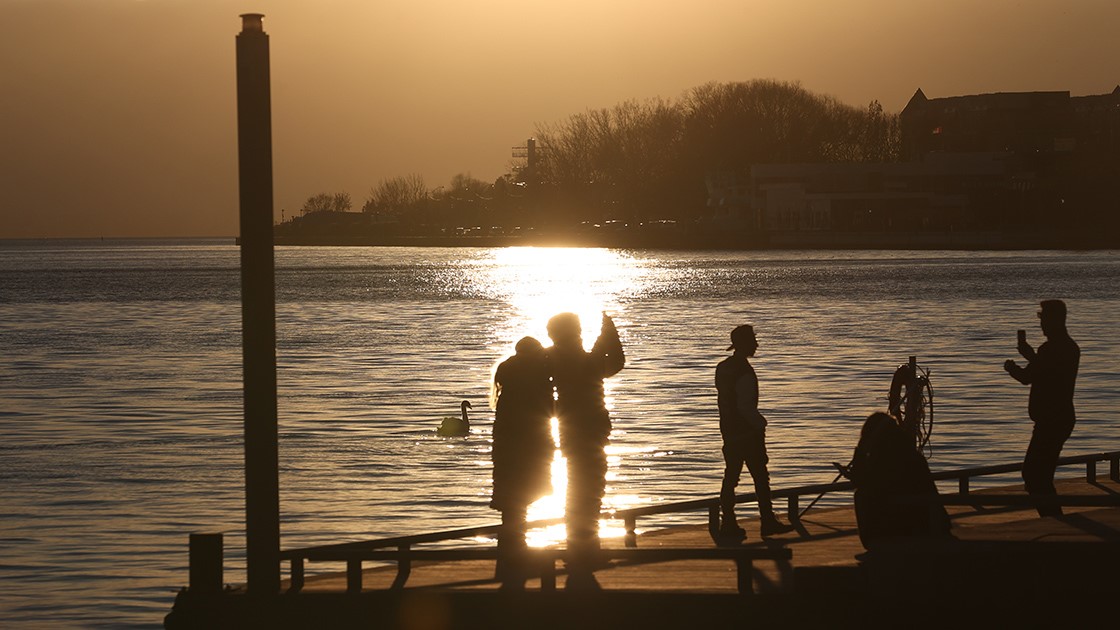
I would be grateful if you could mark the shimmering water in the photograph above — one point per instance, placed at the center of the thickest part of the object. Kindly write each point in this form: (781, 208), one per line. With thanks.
(120, 394)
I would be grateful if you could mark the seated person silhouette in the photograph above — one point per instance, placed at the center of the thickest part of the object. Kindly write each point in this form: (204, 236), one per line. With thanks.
(891, 478)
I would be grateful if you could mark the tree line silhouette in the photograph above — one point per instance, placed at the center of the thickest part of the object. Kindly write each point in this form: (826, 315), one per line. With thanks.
(646, 160)
(638, 161)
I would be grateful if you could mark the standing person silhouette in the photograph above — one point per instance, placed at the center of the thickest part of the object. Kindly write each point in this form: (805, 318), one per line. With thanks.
(743, 429)
(1051, 372)
(522, 449)
(585, 428)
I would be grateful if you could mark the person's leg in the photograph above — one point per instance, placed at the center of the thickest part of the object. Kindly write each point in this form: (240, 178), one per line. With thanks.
(756, 459)
(511, 542)
(586, 483)
(732, 470)
(1041, 461)
(587, 469)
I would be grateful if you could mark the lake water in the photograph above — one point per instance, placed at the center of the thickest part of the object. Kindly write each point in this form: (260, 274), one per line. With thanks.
(120, 386)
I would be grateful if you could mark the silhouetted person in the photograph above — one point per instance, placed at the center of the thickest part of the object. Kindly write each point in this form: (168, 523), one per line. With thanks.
(585, 427)
(1051, 373)
(523, 447)
(743, 430)
(892, 478)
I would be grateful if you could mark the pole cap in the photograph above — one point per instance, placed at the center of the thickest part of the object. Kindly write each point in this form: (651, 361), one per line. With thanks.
(251, 22)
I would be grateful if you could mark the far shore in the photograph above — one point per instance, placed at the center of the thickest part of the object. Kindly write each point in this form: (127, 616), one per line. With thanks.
(734, 240)
(730, 241)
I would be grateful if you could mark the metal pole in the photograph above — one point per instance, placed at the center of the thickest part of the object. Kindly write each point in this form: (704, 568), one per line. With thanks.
(258, 309)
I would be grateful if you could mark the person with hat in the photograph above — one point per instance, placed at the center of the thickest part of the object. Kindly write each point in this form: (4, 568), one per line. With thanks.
(743, 429)
(1051, 373)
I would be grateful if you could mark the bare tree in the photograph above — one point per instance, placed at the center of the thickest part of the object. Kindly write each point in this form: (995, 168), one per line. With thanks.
(396, 195)
(327, 202)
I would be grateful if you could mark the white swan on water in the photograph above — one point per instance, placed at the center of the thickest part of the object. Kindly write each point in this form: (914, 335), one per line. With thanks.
(452, 426)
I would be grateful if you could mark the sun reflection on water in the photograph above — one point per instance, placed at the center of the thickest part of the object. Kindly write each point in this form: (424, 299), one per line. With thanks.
(552, 506)
(539, 282)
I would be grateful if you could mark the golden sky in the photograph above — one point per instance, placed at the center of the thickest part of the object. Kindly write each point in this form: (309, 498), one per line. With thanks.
(117, 117)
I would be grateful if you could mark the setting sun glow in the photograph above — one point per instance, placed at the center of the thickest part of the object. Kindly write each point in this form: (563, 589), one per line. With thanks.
(540, 282)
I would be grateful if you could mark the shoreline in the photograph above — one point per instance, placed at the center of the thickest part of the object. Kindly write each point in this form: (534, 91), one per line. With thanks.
(966, 241)
(814, 241)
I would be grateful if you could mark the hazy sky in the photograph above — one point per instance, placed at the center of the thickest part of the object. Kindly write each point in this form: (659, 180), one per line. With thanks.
(118, 117)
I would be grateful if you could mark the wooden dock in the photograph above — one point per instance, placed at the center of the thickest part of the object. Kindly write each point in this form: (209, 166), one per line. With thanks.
(1007, 565)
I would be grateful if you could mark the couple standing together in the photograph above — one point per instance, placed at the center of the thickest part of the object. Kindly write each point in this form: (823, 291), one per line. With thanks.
(524, 405)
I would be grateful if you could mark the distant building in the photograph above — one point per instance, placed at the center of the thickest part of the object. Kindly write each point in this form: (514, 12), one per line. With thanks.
(729, 200)
(1022, 123)
(1008, 162)
(939, 194)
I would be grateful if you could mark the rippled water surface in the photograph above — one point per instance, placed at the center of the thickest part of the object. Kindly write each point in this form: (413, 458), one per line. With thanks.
(121, 392)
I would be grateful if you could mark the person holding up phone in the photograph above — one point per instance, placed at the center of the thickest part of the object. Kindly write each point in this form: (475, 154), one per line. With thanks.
(1051, 372)
(585, 428)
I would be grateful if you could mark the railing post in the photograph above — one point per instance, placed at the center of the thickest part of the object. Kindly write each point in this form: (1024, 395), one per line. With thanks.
(296, 576)
(793, 509)
(631, 522)
(354, 576)
(962, 484)
(206, 564)
(744, 574)
(1091, 471)
(713, 521)
(548, 573)
(404, 566)
(1114, 468)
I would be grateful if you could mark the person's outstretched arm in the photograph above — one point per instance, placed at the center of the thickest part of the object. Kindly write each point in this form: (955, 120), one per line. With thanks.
(609, 347)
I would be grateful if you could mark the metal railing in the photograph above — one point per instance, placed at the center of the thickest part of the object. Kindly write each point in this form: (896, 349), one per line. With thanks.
(630, 516)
